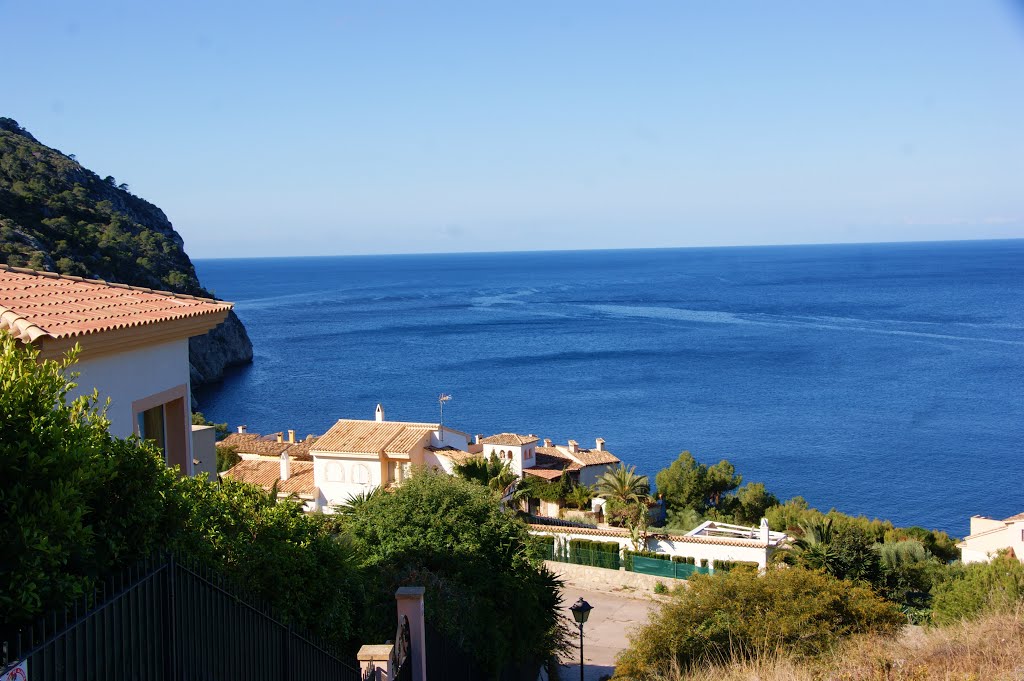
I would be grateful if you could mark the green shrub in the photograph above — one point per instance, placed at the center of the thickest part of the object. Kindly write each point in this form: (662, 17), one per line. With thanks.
(485, 591)
(75, 503)
(739, 565)
(660, 588)
(743, 615)
(227, 456)
(597, 553)
(289, 559)
(979, 588)
(542, 547)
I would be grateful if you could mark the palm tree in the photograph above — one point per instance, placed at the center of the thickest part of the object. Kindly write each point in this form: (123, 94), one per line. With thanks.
(357, 501)
(814, 549)
(484, 471)
(624, 486)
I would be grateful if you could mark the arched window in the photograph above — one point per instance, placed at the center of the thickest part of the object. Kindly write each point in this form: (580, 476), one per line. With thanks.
(360, 474)
(334, 472)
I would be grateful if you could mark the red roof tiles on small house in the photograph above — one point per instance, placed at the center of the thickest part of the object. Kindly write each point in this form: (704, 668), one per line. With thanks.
(267, 445)
(509, 439)
(264, 473)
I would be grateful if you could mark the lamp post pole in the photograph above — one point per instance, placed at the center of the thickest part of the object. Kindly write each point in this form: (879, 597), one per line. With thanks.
(581, 651)
(580, 612)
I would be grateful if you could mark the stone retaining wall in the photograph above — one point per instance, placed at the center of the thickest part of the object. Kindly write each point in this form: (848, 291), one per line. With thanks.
(603, 578)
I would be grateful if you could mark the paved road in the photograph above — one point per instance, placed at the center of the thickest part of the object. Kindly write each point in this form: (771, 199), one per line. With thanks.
(604, 634)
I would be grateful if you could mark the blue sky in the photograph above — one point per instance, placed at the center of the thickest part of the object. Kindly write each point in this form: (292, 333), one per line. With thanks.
(315, 128)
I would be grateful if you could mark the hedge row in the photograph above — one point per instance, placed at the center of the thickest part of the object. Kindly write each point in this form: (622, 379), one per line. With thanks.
(728, 565)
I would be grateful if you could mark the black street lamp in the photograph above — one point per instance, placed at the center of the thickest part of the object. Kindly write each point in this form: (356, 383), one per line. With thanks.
(580, 612)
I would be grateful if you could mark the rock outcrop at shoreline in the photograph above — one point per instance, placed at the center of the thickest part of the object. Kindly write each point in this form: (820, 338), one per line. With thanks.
(59, 216)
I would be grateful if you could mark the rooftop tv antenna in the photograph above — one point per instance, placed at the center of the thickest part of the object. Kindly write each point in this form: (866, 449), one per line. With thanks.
(441, 399)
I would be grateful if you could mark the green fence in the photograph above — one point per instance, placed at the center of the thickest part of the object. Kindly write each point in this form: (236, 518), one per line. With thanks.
(666, 568)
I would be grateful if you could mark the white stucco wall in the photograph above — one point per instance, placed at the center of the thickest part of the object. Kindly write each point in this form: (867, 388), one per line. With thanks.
(128, 376)
(522, 456)
(982, 549)
(589, 475)
(451, 439)
(431, 460)
(204, 450)
(336, 489)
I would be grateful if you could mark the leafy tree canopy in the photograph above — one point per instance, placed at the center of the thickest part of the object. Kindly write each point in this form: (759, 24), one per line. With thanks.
(484, 589)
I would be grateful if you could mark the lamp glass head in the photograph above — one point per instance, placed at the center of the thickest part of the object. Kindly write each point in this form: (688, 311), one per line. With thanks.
(581, 610)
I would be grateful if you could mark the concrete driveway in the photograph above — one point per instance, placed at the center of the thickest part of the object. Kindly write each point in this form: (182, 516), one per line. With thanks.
(604, 634)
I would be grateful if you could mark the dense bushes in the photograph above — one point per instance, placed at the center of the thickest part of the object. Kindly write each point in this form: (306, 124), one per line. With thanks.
(976, 589)
(74, 503)
(741, 615)
(484, 588)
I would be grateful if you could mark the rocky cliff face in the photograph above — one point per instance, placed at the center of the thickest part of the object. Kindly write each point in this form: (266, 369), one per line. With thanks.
(226, 345)
(59, 216)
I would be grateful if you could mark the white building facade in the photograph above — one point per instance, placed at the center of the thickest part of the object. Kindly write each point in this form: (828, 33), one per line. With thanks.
(989, 536)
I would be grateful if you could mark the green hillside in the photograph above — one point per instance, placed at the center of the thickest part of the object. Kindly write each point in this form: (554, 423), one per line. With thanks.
(59, 216)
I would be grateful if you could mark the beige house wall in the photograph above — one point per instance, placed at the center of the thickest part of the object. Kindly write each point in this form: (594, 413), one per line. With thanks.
(982, 548)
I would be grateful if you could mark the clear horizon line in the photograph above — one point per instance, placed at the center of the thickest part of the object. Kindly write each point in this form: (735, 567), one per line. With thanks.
(608, 250)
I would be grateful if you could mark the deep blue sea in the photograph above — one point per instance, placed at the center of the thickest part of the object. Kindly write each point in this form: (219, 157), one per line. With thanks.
(881, 379)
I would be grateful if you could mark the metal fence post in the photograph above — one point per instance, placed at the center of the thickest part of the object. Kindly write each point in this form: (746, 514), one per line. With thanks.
(172, 610)
(287, 654)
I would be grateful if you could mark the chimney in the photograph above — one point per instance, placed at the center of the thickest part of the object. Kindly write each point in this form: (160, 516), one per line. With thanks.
(477, 438)
(600, 444)
(379, 413)
(291, 436)
(547, 442)
(765, 530)
(574, 446)
(284, 466)
(280, 437)
(241, 429)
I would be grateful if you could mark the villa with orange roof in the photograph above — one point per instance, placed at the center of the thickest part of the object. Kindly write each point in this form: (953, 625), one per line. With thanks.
(134, 350)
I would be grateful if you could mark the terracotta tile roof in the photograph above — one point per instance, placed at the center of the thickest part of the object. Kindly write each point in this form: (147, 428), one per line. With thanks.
(509, 439)
(263, 446)
(267, 445)
(36, 304)
(595, 457)
(1014, 518)
(545, 473)
(373, 437)
(582, 457)
(456, 455)
(550, 457)
(265, 473)
(300, 450)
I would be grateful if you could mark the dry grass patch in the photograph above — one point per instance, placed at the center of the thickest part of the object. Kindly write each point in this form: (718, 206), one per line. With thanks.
(988, 649)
